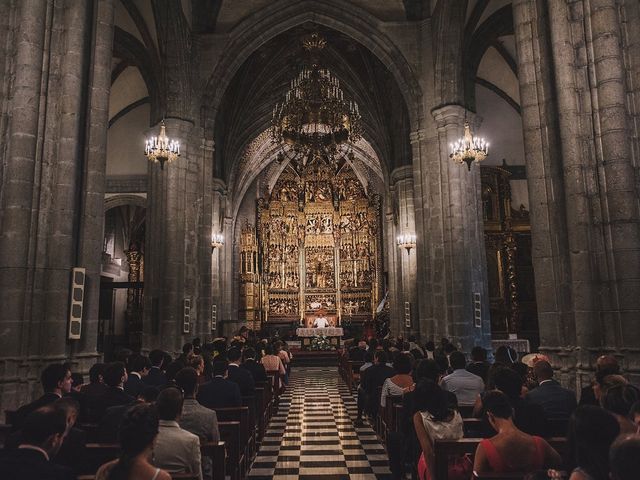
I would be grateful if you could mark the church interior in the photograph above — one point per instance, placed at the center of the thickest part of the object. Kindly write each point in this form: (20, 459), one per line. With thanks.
(314, 182)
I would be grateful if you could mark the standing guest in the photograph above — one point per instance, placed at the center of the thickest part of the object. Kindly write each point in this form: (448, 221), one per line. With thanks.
(238, 375)
(197, 347)
(433, 420)
(156, 376)
(286, 360)
(137, 434)
(42, 436)
(624, 458)
(396, 385)
(56, 381)
(511, 450)
(372, 379)
(115, 377)
(556, 401)
(140, 366)
(256, 369)
(479, 365)
(220, 392)
(175, 450)
(605, 365)
(464, 384)
(592, 430)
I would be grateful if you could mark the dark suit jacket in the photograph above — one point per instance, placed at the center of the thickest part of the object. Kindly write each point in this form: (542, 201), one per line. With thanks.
(155, 377)
(25, 464)
(110, 423)
(112, 398)
(243, 379)
(134, 385)
(25, 410)
(256, 369)
(371, 380)
(357, 354)
(556, 401)
(480, 369)
(71, 454)
(588, 397)
(220, 393)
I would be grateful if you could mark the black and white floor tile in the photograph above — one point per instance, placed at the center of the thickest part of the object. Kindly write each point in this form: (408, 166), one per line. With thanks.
(313, 435)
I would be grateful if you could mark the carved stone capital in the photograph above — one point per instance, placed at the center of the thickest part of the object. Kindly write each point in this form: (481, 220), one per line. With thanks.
(418, 135)
(455, 115)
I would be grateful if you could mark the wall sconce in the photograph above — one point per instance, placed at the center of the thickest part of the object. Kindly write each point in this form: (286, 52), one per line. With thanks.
(217, 241)
(407, 240)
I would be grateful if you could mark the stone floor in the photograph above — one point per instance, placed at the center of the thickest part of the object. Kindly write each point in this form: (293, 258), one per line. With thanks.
(313, 435)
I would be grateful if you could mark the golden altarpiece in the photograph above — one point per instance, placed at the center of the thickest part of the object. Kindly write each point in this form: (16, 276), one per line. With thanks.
(317, 249)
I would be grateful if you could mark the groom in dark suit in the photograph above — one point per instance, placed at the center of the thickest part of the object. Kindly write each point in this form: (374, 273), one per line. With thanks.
(220, 392)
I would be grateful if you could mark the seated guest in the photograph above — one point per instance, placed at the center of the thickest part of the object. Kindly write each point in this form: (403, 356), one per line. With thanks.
(556, 401)
(368, 360)
(372, 379)
(220, 392)
(396, 385)
(139, 369)
(464, 384)
(256, 369)
(361, 398)
(624, 458)
(479, 365)
(429, 350)
(239, 375)
(511, 450)
(197, 363)
(357, 353)
(504, 357)
(56, 382)
(156, 376)
(284, 356)
(137, 433)
(185, 357)
(96, 385)
(175, 450)
(195, 418)
(618, 397)
(605, 365)
(433, 420)
(271, 362)
(528, 417)
(108, 427)
(42, 436)
(592, 430)
(72, 452)
(115, 377)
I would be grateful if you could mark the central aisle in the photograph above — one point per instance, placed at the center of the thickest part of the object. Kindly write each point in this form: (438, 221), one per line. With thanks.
(313, 436)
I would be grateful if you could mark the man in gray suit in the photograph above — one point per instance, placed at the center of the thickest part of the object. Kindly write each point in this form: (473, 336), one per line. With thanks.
(176, 450)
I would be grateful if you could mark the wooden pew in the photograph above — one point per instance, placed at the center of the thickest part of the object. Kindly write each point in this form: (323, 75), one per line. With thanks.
(216, 452)
(5, 430)
(250, 403)
(91, 429)
(443, 449)
(230, 434)
(174, 476)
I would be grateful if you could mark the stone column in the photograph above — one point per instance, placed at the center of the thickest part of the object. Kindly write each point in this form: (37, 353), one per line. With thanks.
(550, 250)
(402, 180)
(463, 264)
(217, 256)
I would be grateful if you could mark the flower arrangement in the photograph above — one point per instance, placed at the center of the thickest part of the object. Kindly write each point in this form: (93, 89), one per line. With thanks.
(320, 342)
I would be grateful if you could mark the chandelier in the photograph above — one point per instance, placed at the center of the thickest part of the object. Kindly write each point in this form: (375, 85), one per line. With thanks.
(217, 241)
(161, 148)
(315, 119)
(468, 149)
(407, 240)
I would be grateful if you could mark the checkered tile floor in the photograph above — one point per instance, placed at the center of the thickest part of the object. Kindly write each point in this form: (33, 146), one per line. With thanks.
(313, 436)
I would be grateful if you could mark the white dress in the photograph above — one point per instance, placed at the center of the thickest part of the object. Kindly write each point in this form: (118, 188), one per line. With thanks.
(439, 430)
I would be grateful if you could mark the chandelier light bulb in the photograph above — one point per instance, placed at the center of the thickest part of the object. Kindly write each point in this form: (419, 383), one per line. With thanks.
(406, 241)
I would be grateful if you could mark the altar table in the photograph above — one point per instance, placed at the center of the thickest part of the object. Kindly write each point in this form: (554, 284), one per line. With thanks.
(333, 334)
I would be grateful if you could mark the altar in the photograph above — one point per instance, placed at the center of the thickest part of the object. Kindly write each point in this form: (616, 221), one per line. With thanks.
(306, 335)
